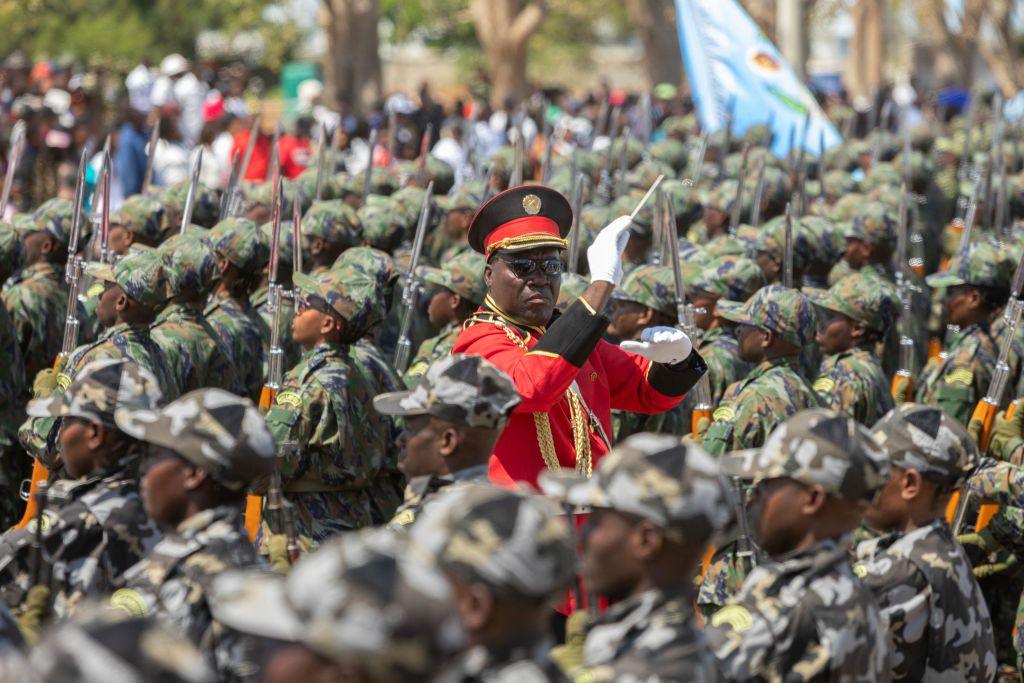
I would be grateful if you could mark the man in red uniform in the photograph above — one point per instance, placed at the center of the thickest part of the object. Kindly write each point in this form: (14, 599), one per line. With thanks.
(568, 377)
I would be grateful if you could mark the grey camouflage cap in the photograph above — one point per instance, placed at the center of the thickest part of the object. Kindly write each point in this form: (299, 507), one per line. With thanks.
(818, 446)
(104, 646)
(213, 429)
(98, 389)
(656, 477)
(362, 599)
(929, 440)
(517, 543)
(466, 390)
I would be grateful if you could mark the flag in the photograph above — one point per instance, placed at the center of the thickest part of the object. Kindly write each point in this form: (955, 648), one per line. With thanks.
(731, 64)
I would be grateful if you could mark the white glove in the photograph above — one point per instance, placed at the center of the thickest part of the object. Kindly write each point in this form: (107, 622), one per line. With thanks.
(605, 254)
(661, 344)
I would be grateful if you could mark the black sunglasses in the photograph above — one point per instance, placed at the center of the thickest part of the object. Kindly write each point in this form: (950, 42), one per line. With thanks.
(523, 267)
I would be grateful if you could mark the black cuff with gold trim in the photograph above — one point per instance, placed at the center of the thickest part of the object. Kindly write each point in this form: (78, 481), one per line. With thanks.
(676, 380)
(574, 334)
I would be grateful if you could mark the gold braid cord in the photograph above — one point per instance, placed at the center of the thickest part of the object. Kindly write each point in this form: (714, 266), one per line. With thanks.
(577, 417)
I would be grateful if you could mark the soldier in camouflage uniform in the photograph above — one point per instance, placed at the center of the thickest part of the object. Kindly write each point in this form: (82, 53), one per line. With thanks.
(194, 350)
(919, 574)
(853, 316)
(205, 449)
(14, 466)
(515, 548)
(139, 223)
(453, 418)
(36, 297)
(132, 289)
(653, 486)
(775, 323)
(460, 291)
(364, 607)
(803, 615)
(332, 444)
(977, 286)
(328, 229)
(242, 253)
(729, 278)
(94, 526)
(449, 239)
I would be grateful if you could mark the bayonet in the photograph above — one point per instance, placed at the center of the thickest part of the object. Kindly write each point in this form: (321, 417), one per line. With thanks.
(154, 137)
(516, 175)
(18, 137)
(755, 210)
(734, 218)
(193, 187)
(368, 178)
(105, 211)
(421, 171)
(321, 159)
(410, 293)
(254, 132)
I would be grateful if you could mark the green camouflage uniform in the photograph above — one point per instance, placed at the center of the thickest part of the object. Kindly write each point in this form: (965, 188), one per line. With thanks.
(14, 465)
(225, 436)
(805, 616)
(775, 389)
(193, 349)
(651, 635)
(36, 301)
(332, 444)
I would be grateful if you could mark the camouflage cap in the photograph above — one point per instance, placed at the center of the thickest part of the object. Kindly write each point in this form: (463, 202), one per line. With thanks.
(817, 446)
(839, 183)
(985, 265)
(102, 645)
(643, 175)
(929, 440)
(242, 243)
(860, 297)
(772, 241)
(466, 390)
(98, 389)
(462, 199)
(142, 216)
(675, 485)
(52, 217)
(734, 278)
(379, 227)
(873, 224)
(671, 152)
(651, 286)
(10, 250)
(333, 221)
(682, 126)
(573, 286)
(350, 293)
(846, 207)
(215, 430)
(643, 223)
(286, 248)
(517, 543)
(140, 274)
(205, 210)
(786, 312)
(463, 274)
(363, 599)
(190, 263)
(723, 196)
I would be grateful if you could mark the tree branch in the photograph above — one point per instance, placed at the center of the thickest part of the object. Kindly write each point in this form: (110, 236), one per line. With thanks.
(527, 21)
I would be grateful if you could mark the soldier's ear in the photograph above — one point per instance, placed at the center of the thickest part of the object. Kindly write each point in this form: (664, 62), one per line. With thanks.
(813, 499)
(487, 274)
(448, 440)
(911, 484)
(649, 540)
(767, 337)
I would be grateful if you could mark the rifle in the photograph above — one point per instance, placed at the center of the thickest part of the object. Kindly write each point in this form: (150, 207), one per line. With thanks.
(787, 249)
(755, 210)
(660, 228)
(38, 546)
(604, 183)
(421, 171)
(105, 213)
(410, 293)
(147, 176)
(620, 184)
(275, 155)
(368, 178)
(13, 157)
(296, 239)
(229, 190)
(734, 218)
(190, 198)
(321, 157)
(745, 555)
(698, 168)
(280, 509)
(685, 320)
(574, 230)
(904, 375)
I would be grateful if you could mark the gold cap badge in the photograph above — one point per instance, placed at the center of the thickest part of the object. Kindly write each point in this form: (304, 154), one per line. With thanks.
(531, 204)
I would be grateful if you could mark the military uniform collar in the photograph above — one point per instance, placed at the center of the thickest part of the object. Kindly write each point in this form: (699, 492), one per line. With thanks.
(822, 554)
(473, 473)
(122, 328)
(792, 362)
(491, 312)
(204, 519)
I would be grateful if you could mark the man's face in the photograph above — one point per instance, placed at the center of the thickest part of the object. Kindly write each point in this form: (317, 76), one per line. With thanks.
(456, 223)
(775, 519)
(751, 340)
(857, 251)
(106, 307)
(888, 511)
(704, 309)
(714, 218)
(608, 563)
(626, 319)
(835, 332)
(307, 326)
(119, 239)
(420, 448)
(520, 287)
(770, 266)
(74, 448)
(441, 307)
(163, 486)
(961, 304)
(36, 245)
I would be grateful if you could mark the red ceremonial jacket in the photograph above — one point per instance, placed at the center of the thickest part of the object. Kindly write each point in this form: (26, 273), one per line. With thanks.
(570, 349)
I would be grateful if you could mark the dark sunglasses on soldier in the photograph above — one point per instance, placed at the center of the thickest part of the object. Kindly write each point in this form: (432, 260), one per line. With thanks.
(524, 267)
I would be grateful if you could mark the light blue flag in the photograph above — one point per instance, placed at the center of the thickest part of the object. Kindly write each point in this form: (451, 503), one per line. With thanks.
(732, 64)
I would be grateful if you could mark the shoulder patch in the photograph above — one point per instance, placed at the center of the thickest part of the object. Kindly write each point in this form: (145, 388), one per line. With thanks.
(129, 600)
(860, 570)
(824, 385)
(289, 398)
(63, 381)
(403, 518)
(736, 616)
(723, 414)
(960, 376)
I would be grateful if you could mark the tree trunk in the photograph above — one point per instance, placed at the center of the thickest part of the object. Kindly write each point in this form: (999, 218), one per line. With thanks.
(863, 75)
(503, 28)
(655, 23)
(352, 62)
(791, 34)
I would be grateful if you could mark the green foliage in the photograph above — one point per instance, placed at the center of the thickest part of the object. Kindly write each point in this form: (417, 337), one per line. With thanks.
(121, 29)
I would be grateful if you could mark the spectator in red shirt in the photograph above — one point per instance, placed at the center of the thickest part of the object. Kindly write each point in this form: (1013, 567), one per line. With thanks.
(260, 160)
(296, 151)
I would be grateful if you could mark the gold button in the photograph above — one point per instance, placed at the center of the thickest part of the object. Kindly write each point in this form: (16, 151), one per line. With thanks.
(593, 376)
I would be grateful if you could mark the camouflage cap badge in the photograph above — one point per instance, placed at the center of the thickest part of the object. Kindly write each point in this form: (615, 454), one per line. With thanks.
(140, 274)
